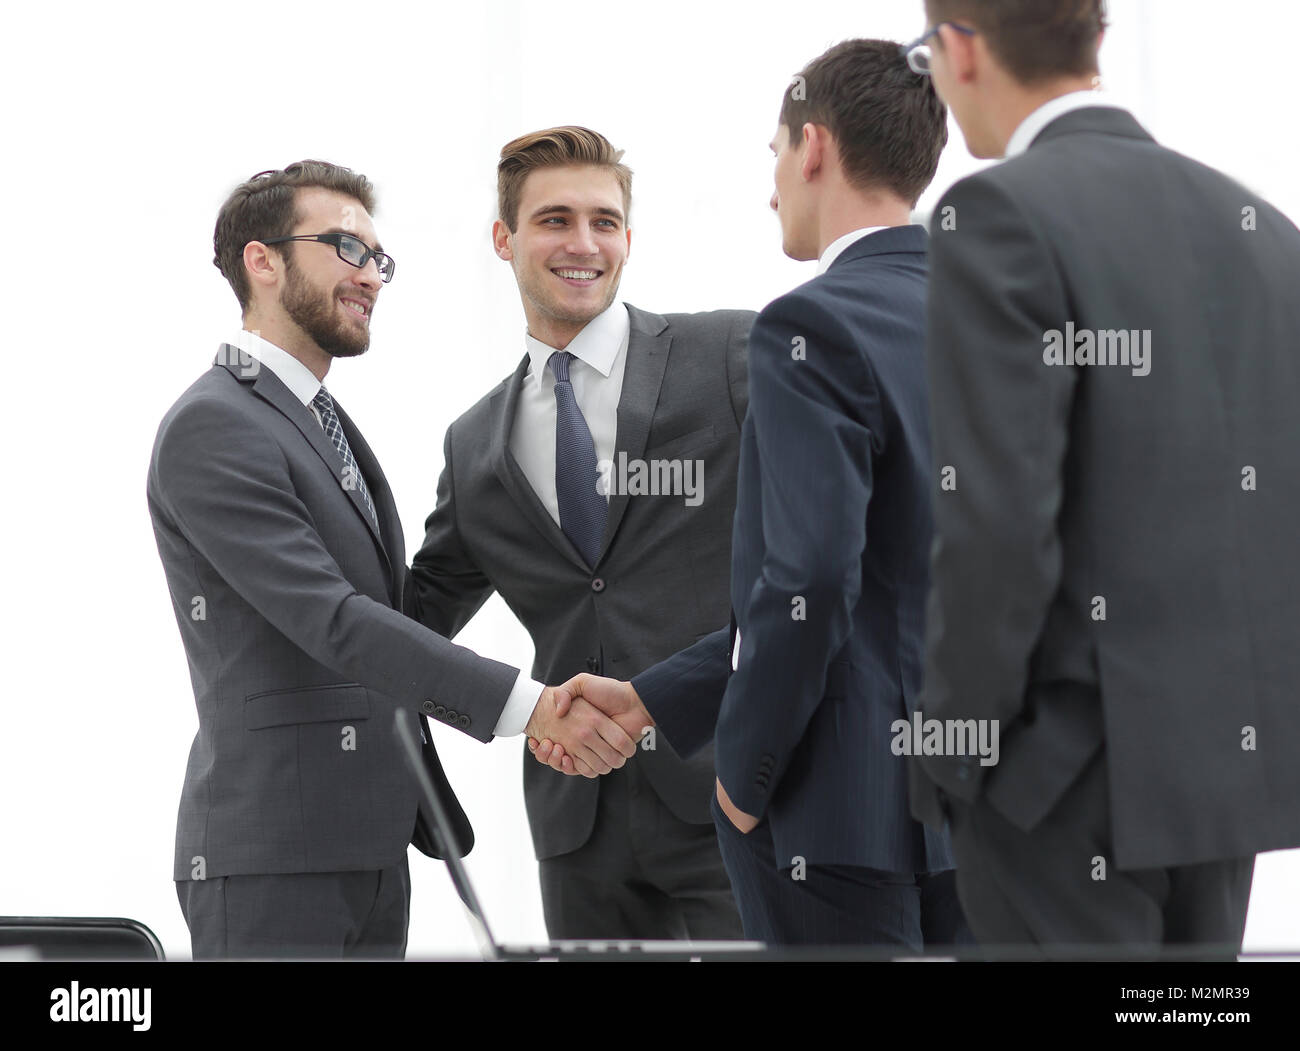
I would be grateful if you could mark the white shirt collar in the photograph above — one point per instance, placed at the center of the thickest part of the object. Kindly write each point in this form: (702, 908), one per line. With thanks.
(836, 247)
(1048, 112)
(300, 380)
(597, 344)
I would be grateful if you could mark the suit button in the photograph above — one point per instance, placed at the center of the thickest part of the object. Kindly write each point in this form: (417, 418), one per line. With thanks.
(427, 707)
(440, 712)
(463, 722)
(593, 665)
(598, 585)
(451, 715)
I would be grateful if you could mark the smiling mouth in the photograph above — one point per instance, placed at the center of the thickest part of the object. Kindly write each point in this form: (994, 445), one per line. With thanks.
(576, 275)
(357, 308)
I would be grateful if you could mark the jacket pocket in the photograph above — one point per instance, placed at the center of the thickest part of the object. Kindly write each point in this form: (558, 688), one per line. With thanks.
(312, 704)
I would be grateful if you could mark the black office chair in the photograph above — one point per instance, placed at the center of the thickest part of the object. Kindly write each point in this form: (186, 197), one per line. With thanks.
(80, 937)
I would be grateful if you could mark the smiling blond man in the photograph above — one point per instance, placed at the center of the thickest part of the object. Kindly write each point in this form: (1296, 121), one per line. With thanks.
(606, 577)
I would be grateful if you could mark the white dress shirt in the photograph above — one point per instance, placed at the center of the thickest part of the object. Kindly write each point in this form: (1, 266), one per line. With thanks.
(836, 247)
(1048, 112)
(600, 357)
(304, 386)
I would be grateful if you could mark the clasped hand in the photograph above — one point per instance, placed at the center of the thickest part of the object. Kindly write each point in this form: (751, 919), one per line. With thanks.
(610, 719)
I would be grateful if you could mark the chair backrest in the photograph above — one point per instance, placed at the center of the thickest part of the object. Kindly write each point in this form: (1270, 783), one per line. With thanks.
(80, 937)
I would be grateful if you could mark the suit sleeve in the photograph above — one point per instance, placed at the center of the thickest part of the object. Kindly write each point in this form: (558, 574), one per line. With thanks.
(684, 692)
(809, 414)
(445, 587)
(999, 421)
(230, 492)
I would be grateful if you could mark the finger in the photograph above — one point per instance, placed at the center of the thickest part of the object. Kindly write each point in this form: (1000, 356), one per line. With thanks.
(544, 751)
(593, 751)
(532, 745)
(615, 736)
(582, 768)
(607, 753)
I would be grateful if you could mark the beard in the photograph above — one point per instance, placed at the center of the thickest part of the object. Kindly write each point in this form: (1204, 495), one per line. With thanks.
(315, 313)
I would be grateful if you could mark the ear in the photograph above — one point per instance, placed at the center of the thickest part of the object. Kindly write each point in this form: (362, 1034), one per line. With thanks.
(959, 49)
(629, 245)
(502, 241)
(262, 266)
(816, 142)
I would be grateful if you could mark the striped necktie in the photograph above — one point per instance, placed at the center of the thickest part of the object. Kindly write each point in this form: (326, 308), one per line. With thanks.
(352, 477)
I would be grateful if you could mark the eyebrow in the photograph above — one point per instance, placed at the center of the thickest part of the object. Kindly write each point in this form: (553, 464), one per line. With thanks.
(352, 233)
(564, 209)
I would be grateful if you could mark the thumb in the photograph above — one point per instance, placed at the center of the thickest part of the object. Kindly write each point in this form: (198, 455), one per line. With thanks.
(563, 701)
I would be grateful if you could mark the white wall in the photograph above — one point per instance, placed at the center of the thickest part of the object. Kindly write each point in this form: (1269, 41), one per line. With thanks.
(125, 127)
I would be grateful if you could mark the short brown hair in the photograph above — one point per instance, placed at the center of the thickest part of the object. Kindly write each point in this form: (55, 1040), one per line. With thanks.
(263, 207)
(1034, 40)
(888, 124)
(555, 148)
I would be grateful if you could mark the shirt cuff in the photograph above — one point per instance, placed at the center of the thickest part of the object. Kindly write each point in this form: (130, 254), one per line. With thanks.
(519, 706)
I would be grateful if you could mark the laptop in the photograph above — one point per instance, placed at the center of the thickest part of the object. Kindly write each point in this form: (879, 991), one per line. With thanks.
(587, 950)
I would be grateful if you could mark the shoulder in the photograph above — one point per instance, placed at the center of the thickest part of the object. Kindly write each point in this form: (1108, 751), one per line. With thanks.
(706, 324)
(477, 420)
(215, 399)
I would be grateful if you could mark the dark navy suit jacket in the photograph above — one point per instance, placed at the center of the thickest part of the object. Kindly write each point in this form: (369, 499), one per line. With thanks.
(829, 571)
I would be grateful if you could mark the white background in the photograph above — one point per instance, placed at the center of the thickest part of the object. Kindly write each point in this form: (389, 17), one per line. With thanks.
(125, 127)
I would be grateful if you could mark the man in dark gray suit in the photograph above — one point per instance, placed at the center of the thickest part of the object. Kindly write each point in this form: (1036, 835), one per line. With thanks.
(285, 562)
(1112, 353)
(594, 489)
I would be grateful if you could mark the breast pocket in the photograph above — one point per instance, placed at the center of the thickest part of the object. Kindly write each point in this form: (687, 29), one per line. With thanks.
(312, 704)
(683, 445)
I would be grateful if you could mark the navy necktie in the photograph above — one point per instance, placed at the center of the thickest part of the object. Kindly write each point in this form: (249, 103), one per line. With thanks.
(583, 508)
(334, 431)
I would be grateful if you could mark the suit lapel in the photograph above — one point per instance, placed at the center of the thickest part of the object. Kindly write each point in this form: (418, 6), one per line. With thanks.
(643, 375)
(267, 386)
(504, 404)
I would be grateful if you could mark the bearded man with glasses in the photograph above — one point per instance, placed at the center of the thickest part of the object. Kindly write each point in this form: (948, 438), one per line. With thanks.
(285, 561)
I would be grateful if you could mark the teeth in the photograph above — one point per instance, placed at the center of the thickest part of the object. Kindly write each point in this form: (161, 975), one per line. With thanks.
(356, 308)
(579, 275)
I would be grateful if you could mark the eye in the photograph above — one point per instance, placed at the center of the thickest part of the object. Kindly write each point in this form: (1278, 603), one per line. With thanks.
(611, 222)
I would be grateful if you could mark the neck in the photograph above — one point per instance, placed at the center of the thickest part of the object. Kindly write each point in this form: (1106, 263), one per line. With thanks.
(857, 210)
(1022, 101)
(291, 339)
(554, 332)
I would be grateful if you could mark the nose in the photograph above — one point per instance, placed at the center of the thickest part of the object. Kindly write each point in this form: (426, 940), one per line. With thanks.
(368, 276)
(581, 241)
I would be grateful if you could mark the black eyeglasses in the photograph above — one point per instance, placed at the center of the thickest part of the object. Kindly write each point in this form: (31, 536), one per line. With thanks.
(917, 52)
(350, 249)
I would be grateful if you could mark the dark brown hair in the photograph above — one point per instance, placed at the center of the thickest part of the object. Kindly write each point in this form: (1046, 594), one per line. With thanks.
(1034, 40)
(887, 122)
(555, 148)
(263, 207)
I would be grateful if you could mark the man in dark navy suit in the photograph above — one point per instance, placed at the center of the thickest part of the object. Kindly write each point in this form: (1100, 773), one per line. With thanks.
(830, 544)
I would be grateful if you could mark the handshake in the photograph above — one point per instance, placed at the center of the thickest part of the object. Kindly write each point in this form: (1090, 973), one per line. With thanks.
(588, 726)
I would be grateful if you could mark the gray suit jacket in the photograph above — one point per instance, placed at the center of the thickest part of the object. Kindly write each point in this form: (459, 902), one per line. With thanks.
(1171, 497)
(662, 578)
(288, 601)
